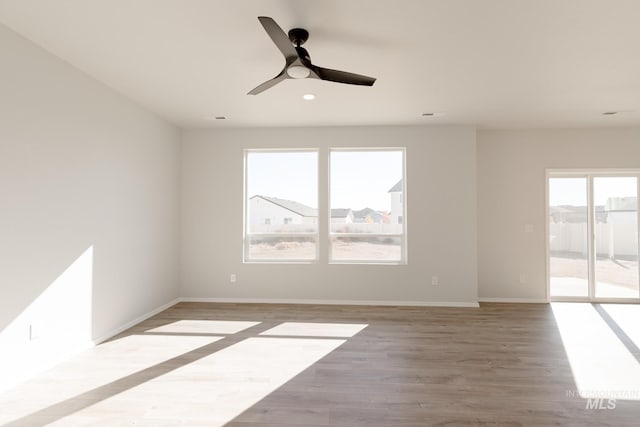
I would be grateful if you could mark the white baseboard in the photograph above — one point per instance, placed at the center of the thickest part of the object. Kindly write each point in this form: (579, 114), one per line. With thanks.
(134, 322)
(515, 300)
(333, 302)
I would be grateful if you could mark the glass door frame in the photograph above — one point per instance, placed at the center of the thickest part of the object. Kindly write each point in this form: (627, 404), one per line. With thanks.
(589, 175)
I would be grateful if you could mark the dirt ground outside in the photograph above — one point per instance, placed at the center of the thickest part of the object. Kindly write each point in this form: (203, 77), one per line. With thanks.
(620, 272)
(342, 250)
(614, 277)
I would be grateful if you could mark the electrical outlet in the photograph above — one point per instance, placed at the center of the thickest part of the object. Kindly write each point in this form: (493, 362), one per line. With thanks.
(233, 278)
(434, 280)
(33, 332)
(523, 278)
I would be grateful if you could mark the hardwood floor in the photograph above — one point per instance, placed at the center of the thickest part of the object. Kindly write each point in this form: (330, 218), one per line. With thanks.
(249, 365)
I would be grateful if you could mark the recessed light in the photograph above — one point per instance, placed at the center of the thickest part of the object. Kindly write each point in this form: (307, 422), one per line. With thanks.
(308, 97)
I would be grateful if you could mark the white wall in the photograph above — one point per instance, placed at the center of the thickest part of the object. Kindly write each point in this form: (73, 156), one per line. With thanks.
(441, 193)
(511, 193)
(89, 209)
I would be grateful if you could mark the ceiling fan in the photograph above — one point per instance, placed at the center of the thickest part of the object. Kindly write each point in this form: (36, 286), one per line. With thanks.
(298, 62)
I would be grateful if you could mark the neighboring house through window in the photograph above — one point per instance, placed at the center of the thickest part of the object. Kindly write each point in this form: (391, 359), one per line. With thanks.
(281, 191)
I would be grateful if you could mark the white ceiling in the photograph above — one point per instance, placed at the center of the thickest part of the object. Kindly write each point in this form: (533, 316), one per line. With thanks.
(490, 63)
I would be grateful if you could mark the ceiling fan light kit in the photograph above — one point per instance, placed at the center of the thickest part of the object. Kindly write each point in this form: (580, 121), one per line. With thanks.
(298, 62)
(298, 72)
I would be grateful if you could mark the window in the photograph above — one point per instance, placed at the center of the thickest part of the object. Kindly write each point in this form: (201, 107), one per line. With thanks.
(281, 205)
(365, 216)
(367, 205)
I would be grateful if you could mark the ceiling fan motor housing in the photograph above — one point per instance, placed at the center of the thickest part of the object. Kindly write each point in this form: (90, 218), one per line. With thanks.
(298, 36)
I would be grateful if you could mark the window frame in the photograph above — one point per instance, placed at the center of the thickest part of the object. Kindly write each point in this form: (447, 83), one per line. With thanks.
(403, 236)
(247, 235)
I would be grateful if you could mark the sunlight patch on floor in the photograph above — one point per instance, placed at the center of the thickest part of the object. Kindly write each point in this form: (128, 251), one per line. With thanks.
(602, 365)
(204, 327)
(221, 386)
(627, 316)
(342, 330)
(94, 368)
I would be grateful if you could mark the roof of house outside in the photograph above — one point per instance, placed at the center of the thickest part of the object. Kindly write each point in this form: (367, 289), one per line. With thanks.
(303, 210)
(340, 212)
(362, 213)
(396, 188)
(293, 206)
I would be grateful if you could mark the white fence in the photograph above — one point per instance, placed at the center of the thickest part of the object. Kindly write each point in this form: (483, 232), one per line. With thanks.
(612, 240)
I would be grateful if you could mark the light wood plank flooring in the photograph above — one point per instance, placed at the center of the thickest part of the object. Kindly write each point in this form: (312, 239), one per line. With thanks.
(249, 365)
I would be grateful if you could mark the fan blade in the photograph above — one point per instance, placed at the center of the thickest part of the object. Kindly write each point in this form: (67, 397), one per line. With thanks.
(279, 37)
(269, 83)
(342, 76)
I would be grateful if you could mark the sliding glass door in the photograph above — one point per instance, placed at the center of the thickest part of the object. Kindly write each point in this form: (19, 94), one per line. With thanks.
(593, 236)
(568, 237)
(616, 237)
